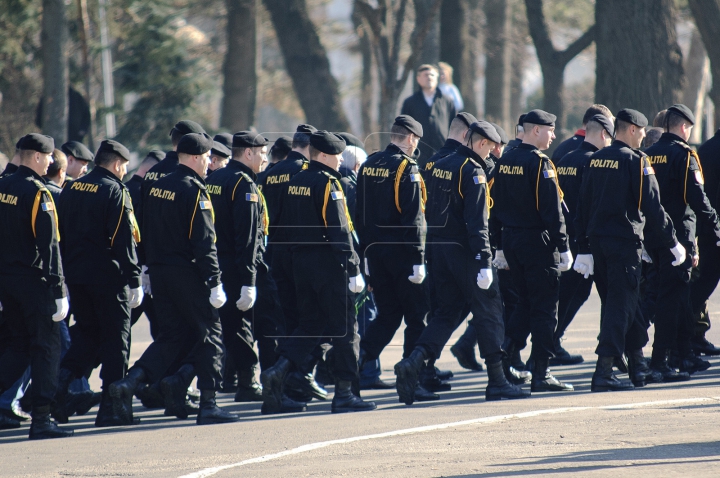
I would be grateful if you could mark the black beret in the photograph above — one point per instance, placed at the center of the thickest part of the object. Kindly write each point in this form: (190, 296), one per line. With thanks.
(632, 116)
(77, 150)
(485, 129)
(187, 127)
(605, 123)
(328, 143)
(504, 139)
(220, 149)
(248, 139)
(683, 111)
(225, 139)
(157, 154)
(409, 123)
(195, 144)
(37, 142)
(305, 128)
(521, 120)
(540, 117)
(352, 140)
(466, 118)
(110, 146)
(282, 146)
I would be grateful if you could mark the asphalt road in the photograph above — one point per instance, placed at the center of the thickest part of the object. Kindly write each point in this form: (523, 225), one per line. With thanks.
(657, 431)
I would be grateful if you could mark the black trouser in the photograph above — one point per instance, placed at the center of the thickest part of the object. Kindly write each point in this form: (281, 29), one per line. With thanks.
(533, 263)
(674, 325)
(617, 277)
(241, 329)
(34, 339)
(101, 331)
(508, 292)
(395, 297)
(574, 292)
(281, 271)
(183, 309)
(454, 271)
(147, 307)
(327, 311)
(702, 288)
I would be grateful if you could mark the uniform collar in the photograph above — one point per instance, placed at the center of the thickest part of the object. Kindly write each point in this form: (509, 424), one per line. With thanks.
(317, 165)
(527, 146)
(236, 165)
(468, 153)
(29, 173)
(99, 171)
(669, 137)
(171, 157)
(580, 132)
(10, 169)
(620, 144)
(135, 178)
(293, 155)
(588, 146)
(186, 171)
(394, 149)
(451, 145)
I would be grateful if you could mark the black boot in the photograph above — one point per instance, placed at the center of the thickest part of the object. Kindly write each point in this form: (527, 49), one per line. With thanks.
(122, 392)
(513, 375)
(174, 389)
(344, 400)
(209, 413)
(431, 382)
(62, 410)
(305, 385)
(272, 381)
(563, 357)
(498, 386)
(106, 417)
(464, 350)
(42, 427)
(659, 363)
(248, 388)
(640, 373)
(691, 363)
(7, 423)
(621, 364)
(150, 396)
(88, 400)
(407, 372)
(701, 345)
(604, 380)
(516, 361)
(292, 406)
(543, 381)
(442, 374)
(422, 395)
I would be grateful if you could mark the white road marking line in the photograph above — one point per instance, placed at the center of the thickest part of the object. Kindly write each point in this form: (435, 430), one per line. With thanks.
(494, 419)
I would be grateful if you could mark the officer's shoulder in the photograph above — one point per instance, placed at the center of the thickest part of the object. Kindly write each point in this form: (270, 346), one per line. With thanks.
(39, 184)
(540, 154)
(197, 183)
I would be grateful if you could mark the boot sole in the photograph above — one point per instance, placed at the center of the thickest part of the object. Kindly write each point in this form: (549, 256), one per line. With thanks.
(465, 363)
(495, 398)
(306, 388)
(121, 404)
(172, 406)
(43, 436)
(216, 421)
(117, 423)
(604, 388)
(405, 384)
(352, 410)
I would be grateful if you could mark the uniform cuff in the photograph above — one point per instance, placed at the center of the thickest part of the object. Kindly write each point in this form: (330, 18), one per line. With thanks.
(134, 283)
(213, 282)
(57, 292)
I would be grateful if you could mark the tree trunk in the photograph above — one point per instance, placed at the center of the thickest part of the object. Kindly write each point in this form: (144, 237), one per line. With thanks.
(639, 63)
(707, 18)
(430, 48)
(55, 70)
(697, 67)
(307, 64)
(240, 66)
(498, 63)
(457, 47)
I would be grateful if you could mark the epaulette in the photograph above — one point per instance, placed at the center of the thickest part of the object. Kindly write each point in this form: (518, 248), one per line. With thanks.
(40, 185)
(475, 163)
(685, 145)
(198, 183)
(328, 175)
(246, 176)
(541, 154)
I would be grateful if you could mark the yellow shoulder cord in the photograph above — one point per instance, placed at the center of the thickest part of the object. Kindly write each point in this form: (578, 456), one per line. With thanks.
(347, 212)
(304, 166)
(122, 212)
(192, 219)
(460, 178)
(642, 173)
(36, 206)
(691, 153)
(557, 182)
(537, 187)
(325, 202)
(266, 216)
(423, 193)
(488, 199)
(398, 177)
(236, 185)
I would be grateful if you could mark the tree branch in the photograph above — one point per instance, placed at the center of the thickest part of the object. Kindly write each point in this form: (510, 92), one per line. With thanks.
(539, 31)
(576, 47)
(417, 44)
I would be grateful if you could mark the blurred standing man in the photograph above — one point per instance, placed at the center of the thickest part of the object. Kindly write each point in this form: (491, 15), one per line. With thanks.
(432, 109)
(78, 158)
(99, 237)
(533, 243)
(31, 281)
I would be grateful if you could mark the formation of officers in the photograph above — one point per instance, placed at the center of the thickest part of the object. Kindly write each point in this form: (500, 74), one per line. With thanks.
(300, 244)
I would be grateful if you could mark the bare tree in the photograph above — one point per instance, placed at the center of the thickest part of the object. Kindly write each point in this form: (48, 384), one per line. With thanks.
(458, 46)
(240, 65)
(707, 18)
(55, 70)
(553, 61)
(366, 79)
(498, 63)
(430, 47)
(307, 64)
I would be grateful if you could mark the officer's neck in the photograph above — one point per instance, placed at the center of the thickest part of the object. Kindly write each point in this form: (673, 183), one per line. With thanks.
(465, 150)
(402, 147)
(674, 135)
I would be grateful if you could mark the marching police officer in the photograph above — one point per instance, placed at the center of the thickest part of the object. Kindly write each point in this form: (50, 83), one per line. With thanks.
(679, 176)
(391, 227)
(31, 281)
(99, 235)
(456, 136)
(619, 193)
(327, 276)
(461, 263)
(179, 238)
(533, 243)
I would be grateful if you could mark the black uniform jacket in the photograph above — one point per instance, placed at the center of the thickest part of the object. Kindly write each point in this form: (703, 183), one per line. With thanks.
(678, 173)
(29, 232)
(99, 231)
(570, 173)
(526, 194)
(448, 148)
(391, 202)
(178, 225)
(570, 144)
(241, 218)
(314, 212)
(274, 187)
(459, 203)
(619, 191)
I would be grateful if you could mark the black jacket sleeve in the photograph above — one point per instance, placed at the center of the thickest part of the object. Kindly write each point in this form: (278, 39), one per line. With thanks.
(695, 195)
(339, 227)
(549, 204)
(411, 199)
(119, 226)
(649, 201)
(474, 194)
(202, 237)
(47, 240)
(245, 211)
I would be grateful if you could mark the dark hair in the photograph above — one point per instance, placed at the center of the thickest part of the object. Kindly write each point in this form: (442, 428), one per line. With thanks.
(238, 152)
(176, 137)
(106, 157)
(59, 164)
(659, 120)
(300, 140)
(399, 132)
(621, 126)
(673, 120)
(596, 109)
(278, 154)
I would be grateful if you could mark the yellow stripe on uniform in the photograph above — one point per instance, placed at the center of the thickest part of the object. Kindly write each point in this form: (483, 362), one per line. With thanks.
(642, 173)
(236, 185)
(460, 176)
(351, 226)
(36, 206)
(537, 187)
(325, 202)
(398, 177)
(192, 220)
(266, 216)
(122, 212)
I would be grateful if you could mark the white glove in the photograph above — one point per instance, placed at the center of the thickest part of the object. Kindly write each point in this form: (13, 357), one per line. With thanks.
(585, 265)
(717, 233)
(500, 261)
(418, 274)
(566, 260)
(63, 307)
(357, 284)
(136, 297)
(247, 298)
(367, 268)
(484, 278)
(646, 257)
(679, 252)
(217, 296)
(145, 280)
